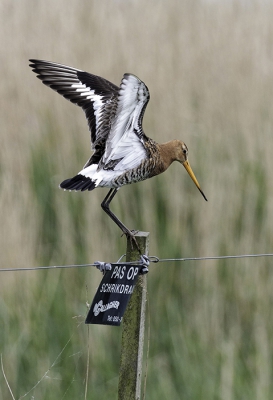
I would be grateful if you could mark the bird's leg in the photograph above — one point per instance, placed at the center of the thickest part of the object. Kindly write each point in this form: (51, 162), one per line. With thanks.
(105, 206)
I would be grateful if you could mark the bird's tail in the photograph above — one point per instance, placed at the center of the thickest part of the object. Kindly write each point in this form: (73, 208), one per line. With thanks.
(79, 182)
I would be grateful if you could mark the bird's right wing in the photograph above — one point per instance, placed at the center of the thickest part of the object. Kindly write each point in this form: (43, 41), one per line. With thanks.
(125, 145)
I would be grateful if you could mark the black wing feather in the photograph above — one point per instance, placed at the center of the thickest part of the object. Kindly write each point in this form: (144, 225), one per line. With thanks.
(61, 78)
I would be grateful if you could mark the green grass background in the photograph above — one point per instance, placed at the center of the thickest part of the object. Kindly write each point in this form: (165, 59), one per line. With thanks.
(209, 68)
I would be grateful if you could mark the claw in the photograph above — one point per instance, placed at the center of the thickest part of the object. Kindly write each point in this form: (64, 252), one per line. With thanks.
(131, 237)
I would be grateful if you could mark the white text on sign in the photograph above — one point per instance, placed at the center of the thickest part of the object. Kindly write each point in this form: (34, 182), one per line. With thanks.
(119, 271)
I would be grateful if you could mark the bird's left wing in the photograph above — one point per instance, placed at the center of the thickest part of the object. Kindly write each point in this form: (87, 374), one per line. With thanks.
(97, 96)
(125, 145)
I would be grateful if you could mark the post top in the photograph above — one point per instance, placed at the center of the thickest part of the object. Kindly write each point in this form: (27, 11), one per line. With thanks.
(142, 234)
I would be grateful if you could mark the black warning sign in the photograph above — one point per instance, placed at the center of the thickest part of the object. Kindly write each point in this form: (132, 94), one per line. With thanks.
(113, 294)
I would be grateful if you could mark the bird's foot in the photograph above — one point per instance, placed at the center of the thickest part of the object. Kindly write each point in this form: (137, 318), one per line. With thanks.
(134, 232)
(131, 236)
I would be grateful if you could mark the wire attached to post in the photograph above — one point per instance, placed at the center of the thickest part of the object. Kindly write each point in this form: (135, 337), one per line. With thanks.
(153, 259)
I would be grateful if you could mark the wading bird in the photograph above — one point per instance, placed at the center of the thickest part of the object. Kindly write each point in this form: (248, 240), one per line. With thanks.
(122, 153)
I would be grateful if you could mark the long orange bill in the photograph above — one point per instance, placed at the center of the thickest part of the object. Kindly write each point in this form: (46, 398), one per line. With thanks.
(190, 172)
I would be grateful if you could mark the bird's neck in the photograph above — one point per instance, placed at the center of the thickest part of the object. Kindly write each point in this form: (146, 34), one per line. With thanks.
(167, 154)
(162, 155)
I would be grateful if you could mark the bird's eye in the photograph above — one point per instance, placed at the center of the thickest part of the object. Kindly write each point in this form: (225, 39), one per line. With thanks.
(184, 151)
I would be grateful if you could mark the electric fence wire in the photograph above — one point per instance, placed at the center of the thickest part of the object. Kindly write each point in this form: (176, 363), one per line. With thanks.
(153, 259)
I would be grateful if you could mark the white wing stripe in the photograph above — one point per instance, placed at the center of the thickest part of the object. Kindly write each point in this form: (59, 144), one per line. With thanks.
(83, 90)
(89, 94)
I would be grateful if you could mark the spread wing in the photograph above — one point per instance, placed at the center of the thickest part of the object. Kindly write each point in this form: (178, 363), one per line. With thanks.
(125, 145)
(97, 96)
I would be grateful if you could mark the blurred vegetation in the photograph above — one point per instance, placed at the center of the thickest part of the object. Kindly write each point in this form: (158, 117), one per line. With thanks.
(208, 65)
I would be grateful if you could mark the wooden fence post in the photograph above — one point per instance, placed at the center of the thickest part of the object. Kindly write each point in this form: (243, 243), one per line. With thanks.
(133, 325)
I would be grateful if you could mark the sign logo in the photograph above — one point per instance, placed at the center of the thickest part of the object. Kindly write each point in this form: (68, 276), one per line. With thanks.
(99, 307)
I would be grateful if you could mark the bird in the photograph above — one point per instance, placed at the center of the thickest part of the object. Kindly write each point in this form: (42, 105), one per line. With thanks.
(122, 152)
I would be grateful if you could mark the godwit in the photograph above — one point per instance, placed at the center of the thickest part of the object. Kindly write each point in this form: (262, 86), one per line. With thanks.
(122, 153)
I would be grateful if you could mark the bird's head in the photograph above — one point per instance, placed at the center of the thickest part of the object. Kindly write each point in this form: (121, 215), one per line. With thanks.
(182, 157)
